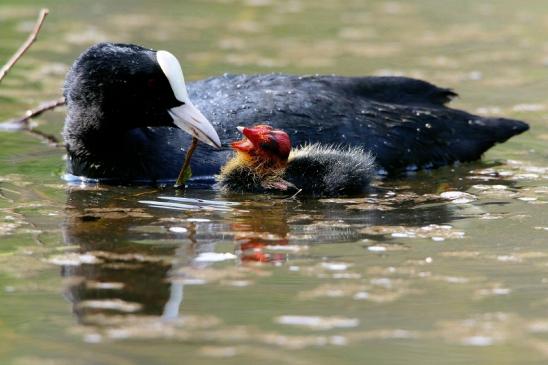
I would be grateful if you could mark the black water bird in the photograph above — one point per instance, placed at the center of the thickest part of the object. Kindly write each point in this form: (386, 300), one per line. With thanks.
(124, 102)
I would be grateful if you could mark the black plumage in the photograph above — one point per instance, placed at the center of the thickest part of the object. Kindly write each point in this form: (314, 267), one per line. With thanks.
(330, 170)
(117, 128)
(312, 170)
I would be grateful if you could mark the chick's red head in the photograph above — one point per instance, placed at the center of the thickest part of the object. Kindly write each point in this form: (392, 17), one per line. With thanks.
(264, 143)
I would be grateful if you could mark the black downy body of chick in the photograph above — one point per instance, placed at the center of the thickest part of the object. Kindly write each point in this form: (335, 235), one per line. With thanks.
(265, 163)
(330, 170)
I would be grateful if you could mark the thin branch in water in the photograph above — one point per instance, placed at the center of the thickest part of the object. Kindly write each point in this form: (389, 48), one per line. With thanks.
(23, 122)
(49, 138)
(25, 46)
(32, 113)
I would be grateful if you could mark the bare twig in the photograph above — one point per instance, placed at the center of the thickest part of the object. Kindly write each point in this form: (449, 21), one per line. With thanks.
(32, 113)
(23, 122)
(25, 46)
(49, 138)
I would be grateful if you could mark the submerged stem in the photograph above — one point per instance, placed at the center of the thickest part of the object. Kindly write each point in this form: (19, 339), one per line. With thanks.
(185, 172)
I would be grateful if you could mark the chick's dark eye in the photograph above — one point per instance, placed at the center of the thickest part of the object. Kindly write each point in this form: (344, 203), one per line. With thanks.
(271, 146)
(152, 83)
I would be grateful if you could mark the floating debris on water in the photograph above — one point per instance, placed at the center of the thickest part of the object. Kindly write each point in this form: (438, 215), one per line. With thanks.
(490, 216)
(493, 290)
(110, 304)
(481, 330)
(376, 248)
(74, 259)
(214, 257)
(478, 341)
(129, 257)
(461, 254)
(93, 338)
(390, 201)
(318, 323)
(178, 229)
(239, 283)
(379, 290)
(528, 107)
(458, 197)
(449, 279)
(198, 220)
(508, 258)
(511, 171)
(290, 248)
(380, 248)
(432, 231)
(90, 284)
(361, 295)
(335, 266)
(528, 198)
(90, 214)
(490, 187)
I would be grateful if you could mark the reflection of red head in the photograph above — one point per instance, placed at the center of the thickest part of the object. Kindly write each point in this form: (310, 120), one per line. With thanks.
(252, 251)
(265, 143)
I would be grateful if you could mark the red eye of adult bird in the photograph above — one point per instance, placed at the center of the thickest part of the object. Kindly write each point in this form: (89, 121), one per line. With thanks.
(265, 144)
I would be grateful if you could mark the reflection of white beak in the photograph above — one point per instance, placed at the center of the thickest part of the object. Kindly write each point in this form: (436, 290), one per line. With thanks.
(186, 116)
(191, 120)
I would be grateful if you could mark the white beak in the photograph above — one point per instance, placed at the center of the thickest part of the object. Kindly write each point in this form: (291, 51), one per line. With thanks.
(187, 116)
(191, 120)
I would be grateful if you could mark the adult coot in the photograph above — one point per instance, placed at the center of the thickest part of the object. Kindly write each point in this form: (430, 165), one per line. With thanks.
(124, 102)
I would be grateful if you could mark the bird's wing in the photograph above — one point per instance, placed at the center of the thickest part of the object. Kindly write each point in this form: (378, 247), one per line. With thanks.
(402, 121)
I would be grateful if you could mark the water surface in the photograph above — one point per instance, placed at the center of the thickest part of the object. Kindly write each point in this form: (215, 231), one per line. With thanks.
(441, 267)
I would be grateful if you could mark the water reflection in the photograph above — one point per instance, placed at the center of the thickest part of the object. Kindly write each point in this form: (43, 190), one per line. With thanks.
(138, 248)
(105, 229)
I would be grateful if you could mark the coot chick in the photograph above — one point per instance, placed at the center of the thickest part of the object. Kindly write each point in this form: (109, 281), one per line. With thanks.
(264, 163)
(118, 127)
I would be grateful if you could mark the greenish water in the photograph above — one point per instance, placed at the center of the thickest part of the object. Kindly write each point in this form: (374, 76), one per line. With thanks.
(91, 275)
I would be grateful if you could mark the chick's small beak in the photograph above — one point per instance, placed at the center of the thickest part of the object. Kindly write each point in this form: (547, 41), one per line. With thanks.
(191, 120)
(245, 144)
